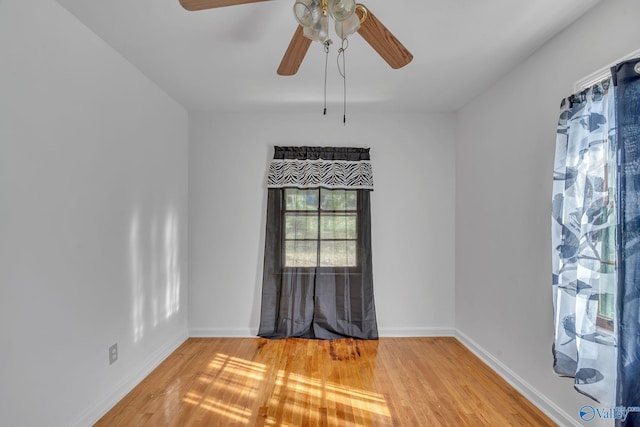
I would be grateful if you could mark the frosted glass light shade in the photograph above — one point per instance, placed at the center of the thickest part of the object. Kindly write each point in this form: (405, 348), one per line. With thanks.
(319, 31)
(342, 10)
(347, 27)
(307, 12)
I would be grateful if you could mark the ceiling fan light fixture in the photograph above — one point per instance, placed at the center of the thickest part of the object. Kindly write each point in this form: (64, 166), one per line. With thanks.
(313, 16)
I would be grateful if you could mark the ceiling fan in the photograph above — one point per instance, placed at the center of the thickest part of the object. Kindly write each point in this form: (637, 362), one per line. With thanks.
(370, 28)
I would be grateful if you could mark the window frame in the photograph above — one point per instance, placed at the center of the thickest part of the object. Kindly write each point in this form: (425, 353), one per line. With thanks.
(318, 213)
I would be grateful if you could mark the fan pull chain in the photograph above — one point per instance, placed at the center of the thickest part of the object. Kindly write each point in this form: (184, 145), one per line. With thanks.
(343, 73)
(326, 62)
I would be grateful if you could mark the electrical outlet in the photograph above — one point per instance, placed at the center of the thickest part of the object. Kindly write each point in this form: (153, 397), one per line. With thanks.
(113, 354)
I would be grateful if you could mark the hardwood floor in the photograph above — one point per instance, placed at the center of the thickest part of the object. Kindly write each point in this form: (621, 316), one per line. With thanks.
(296, 382)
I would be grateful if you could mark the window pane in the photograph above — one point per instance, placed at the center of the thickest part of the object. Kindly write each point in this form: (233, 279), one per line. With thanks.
(606, 306)
(338, 226)
(332, 199)
(300, 254)
(300, 200)
(338, 200)
(301, 226)
(338, 254)
(352, 199)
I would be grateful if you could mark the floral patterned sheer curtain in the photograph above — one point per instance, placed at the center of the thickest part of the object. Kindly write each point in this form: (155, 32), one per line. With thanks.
(596, 241)
(583, 241)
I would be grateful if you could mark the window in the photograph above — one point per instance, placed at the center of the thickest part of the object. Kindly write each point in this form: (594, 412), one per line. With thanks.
(607, 256)
(320, 228)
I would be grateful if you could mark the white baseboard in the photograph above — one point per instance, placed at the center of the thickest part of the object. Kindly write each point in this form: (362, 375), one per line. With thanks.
(101, 407)
(383, 332)
(416, 332)
(223, 333)
(552, 410)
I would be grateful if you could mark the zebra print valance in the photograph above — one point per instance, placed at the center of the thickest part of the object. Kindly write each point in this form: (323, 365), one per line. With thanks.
(327, 167)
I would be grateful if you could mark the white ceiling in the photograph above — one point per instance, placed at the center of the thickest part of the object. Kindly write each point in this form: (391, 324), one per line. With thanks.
(226, 58)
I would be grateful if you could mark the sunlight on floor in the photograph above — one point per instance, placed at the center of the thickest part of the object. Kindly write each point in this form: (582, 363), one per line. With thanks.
(233, 412)
(301, 397)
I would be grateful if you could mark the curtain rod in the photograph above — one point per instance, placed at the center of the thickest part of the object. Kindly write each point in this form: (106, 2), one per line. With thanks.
(602, 73)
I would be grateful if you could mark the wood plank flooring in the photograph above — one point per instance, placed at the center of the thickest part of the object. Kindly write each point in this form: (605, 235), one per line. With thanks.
(297, 382)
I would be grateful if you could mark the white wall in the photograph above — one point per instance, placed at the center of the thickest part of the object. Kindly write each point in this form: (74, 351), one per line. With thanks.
(504, 160)
(412, 213)
(93, 226)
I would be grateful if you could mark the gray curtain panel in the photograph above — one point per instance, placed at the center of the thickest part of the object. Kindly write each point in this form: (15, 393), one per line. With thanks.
(320, 292)
(626, 78)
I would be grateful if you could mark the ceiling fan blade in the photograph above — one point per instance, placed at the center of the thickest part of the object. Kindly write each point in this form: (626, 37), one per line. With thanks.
(210, 4)
(381, 39)
(295, 53)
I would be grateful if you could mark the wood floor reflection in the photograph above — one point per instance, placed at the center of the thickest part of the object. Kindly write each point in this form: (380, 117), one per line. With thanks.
(297, 382)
